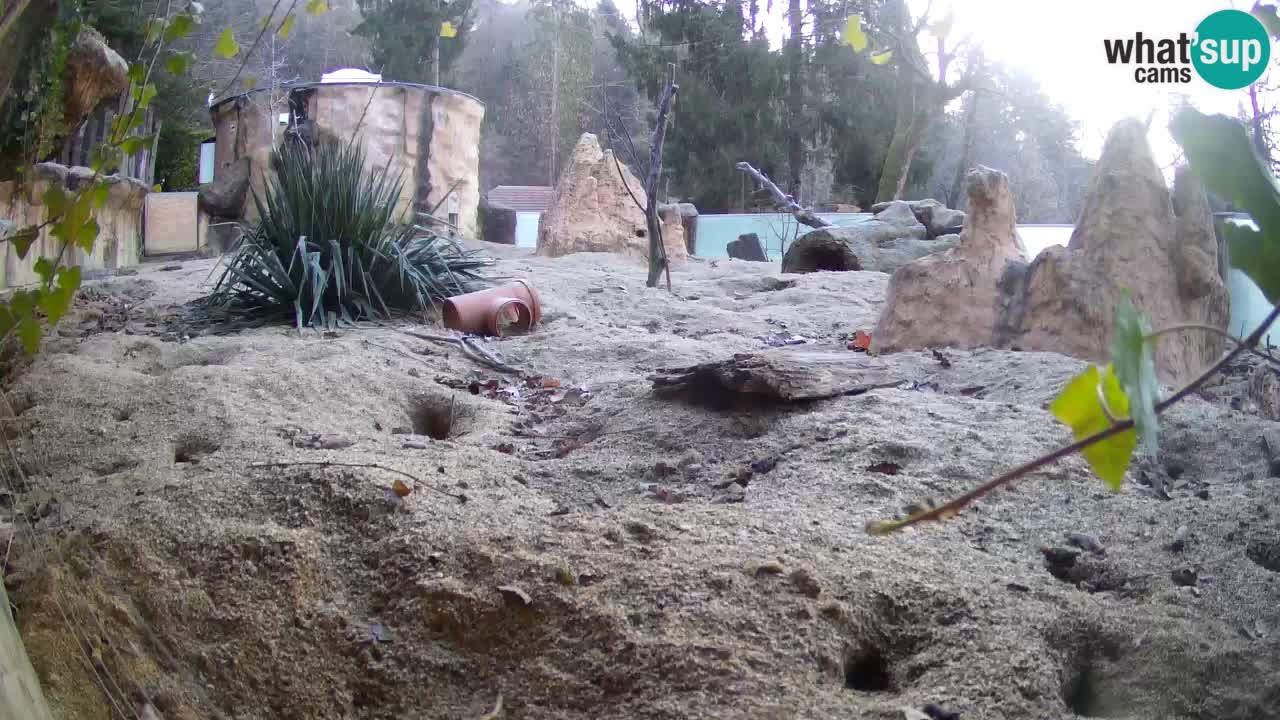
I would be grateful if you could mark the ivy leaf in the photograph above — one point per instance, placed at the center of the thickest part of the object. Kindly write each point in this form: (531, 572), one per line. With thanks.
(249, 82)
(286, 27)
(179, 27)
(135, 144)
(153, 31)
(317, 7)
(100, 194)
(178, 63)
(853, 33)
(56, 301)
(87, 234)
(29, 333)
(1080, 408)
(105, 158)
(882, 57)
(22, 240)
(56, 200)
(145, 95)
(1133, 356)
(44, 268)
(448, 30)
(227, 47)
(1221, 154)
(137, 73)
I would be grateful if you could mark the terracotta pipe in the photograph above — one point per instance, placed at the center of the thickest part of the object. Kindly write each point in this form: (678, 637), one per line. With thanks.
(484, 311)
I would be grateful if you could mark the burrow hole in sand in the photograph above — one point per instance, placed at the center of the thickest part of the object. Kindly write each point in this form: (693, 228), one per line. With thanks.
(866, 669)
(190, 447)
(440, 417)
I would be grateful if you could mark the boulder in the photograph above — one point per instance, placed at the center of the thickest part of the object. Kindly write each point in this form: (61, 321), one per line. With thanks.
(224, 197)
(869, 245)
(673, 227)
(93, 73)
(689, 218)
(1133, 235)
(937, 219)
(593, 211)
(965, 279)
(747, 247)
(899, 215)
(497, 223)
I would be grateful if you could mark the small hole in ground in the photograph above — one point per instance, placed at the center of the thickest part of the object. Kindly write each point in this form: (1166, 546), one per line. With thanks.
(1081, 694)
(190, 448)
(867, 670)
(123, 414)
(439, 418)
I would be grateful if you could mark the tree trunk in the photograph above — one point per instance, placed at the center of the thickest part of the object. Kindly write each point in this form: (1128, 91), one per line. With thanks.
(555, 95)
(966, 151)
(915, 112)
(795, 114)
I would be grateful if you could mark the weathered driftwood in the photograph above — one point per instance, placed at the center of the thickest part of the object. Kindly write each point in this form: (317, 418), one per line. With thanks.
(795, 374)
(783, 200)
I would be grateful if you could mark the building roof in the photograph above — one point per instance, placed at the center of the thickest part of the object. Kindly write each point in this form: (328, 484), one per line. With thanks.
(523, 198)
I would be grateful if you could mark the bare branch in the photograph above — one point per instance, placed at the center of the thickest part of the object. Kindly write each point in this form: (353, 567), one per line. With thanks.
(782, 199)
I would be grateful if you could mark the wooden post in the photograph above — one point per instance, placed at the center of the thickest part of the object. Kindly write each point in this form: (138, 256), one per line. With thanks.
(658, 250)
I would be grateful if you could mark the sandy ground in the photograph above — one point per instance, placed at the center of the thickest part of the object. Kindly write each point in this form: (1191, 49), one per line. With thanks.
(596, 551)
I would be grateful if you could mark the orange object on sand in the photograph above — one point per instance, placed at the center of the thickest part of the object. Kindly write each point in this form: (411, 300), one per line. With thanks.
(511, 309)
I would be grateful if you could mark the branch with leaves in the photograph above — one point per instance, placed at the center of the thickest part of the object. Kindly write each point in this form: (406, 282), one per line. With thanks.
(1109, 409)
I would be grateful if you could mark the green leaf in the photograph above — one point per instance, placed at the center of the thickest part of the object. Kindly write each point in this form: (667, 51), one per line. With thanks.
(105, 158)
(180, 27)
(882, 57)
(137, 73)
(87, 234)
(44, 268)
(100, 193)
(1266, 14)
(1221, 154)
(317, 7)
(56, 201)
(178, 63)
(135, 144)
(1080, 408)
(286, 27)
(227, 46)
(1133, 356)
(146, 94)
(23, 239)
(56, 301)
(853, 33)
(250, 82)
(153, 31)
(29, 332)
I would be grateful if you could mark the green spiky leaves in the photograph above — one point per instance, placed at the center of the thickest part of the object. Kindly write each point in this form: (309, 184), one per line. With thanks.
(330, 243)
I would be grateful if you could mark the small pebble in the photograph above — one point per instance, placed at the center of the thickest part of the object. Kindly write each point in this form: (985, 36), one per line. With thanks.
(1184, 577)
(1203, 494)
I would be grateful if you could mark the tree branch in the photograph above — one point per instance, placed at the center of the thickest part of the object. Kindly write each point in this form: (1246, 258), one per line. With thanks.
(782, 199)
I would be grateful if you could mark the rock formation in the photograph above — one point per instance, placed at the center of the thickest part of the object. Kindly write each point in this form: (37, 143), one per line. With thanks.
(937, 218)
(747, 247)
(884, 243)
(1133, 235)
(594, 212)
(965, 280)
(94, 72)
(225, 196)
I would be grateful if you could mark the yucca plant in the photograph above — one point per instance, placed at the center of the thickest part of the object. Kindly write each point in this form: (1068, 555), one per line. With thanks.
(329, 245)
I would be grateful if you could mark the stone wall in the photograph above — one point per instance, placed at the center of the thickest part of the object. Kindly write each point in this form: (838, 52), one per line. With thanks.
(119, 241)
(427, 136)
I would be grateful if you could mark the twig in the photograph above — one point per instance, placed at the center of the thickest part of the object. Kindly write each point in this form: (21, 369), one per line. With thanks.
(474, 352)
(417, 482)
(256, 41)
(954, 506)
(782, 199)
(1235, 341)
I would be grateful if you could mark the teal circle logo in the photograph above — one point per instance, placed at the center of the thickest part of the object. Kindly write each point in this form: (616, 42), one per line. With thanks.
(1232, 49)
